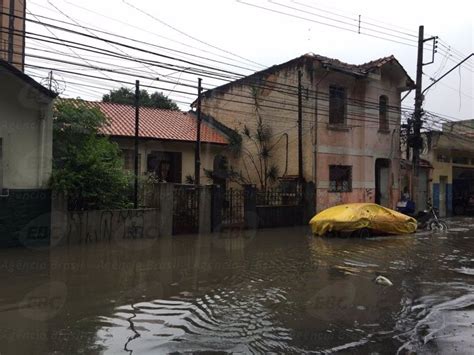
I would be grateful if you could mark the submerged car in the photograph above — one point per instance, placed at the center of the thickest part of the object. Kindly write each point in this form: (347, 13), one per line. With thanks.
(362, 219)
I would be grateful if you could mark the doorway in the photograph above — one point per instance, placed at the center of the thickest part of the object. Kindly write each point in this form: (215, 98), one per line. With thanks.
(443, 182)
(382, 179)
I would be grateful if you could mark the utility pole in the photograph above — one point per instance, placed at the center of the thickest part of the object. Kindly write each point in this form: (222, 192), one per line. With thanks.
(417, 140)
(11, 30)
(418, 104)
(300, 129)
(50, 80)
(137, 122)
(197, 151)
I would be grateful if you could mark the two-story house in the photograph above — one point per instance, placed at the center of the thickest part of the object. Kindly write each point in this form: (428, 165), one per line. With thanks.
(350, 124)
(451, 155)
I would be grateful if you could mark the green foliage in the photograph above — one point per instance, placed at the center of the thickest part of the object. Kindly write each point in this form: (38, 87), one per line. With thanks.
(127, 96)
(88, 168)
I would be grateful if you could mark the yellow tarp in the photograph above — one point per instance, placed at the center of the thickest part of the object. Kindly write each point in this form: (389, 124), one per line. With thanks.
(354, 216)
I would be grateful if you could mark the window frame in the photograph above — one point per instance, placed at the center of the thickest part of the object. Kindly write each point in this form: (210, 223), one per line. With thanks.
(339, 186)
(335, 100)
(128, 156)
(384, 124)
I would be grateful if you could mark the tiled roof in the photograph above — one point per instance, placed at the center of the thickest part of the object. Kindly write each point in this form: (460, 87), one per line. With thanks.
(362, 69)
(156, 124)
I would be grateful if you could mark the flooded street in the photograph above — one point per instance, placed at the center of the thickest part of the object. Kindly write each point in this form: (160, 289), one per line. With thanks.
(278, 290)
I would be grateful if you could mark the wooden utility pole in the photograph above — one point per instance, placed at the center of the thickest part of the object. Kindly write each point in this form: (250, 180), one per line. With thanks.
(197, 151)
(300, 129)
(137, 122)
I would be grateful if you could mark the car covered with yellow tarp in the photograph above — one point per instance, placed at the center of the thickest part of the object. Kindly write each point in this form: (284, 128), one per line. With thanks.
(368, 217)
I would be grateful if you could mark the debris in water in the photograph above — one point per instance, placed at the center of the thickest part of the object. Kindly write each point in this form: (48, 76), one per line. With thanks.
(382, 280)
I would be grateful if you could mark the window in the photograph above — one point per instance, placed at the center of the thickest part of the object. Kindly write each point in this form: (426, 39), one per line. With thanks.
(383, 113)
(337, 105)
(340, 178)
(442, 158)
(129, 160)
(165, 165)
(461, 160)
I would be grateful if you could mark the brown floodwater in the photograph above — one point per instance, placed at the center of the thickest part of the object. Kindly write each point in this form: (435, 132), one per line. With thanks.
(279, 290)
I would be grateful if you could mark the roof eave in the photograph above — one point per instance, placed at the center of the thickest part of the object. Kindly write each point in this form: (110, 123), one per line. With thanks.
(143, 138)
(27, 79)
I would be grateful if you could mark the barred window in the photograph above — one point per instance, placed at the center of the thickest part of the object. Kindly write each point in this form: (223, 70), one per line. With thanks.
(340, 178)
(337, 105)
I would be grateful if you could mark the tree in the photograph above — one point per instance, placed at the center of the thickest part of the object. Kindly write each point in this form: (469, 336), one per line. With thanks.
(254, 147)
(87, 167)
(127, 96)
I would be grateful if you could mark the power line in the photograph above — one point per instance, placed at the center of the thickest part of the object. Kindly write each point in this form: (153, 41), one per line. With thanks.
(358, 26)
(188, 35)
(356, 20)
(375, 104)
(128, 24)
(91, 29)
(322, 23)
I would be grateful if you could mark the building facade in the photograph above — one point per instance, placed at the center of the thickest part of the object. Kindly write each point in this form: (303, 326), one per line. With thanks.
(451, 154)
(350, 124)
(25, 155)
(12, 32)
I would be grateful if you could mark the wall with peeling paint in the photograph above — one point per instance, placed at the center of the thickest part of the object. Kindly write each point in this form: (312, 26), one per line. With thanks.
(359, 143)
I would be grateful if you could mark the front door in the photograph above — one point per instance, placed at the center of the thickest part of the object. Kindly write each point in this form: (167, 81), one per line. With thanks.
(382, 186)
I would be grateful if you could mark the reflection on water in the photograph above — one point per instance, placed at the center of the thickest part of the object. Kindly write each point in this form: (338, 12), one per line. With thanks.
(274, 290)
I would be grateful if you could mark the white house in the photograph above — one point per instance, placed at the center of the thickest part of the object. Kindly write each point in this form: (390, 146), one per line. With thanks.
(25, 151)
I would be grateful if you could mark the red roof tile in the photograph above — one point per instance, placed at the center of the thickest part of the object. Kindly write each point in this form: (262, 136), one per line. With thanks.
(156, 124)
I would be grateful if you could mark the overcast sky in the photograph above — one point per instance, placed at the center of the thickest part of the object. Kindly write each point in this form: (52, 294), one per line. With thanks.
(270, 38)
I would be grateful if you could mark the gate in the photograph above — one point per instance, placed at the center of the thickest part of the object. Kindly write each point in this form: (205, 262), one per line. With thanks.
(185, 209)
(279, 208)
(233, 208)
(250, 208)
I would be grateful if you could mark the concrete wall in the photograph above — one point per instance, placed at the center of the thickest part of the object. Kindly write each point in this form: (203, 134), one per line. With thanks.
(358, 144)
(18, 25)
(26, 135)
(82, 227)
(208, 152)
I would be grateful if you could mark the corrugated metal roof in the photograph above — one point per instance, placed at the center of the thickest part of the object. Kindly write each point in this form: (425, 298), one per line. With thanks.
(156, 123)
